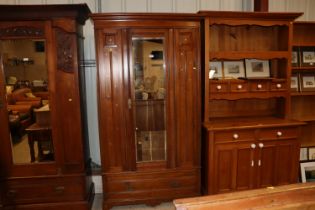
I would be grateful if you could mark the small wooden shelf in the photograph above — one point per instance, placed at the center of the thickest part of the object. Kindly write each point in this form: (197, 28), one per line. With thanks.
(238, 55)
(310, 93)
(303, 68)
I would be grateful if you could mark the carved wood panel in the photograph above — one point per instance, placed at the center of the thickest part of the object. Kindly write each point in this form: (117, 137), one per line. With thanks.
(65, 50)
(21, 31)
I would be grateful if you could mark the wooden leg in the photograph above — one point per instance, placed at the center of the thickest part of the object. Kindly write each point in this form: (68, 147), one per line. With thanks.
(31, 146)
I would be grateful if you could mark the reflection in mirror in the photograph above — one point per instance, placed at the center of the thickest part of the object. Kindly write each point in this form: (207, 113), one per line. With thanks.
(149, 98)
(27, 100)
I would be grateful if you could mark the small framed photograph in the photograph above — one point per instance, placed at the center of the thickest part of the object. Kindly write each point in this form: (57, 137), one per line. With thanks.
(308, 172)
(257, 68)
(308, 56)
(303, 154)
(308, 83)
(233, 69)
(294, 83)
(295, 57)
(311, 153)
(215, 69)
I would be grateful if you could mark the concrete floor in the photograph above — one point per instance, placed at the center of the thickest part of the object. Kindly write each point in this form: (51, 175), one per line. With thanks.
(97, 205)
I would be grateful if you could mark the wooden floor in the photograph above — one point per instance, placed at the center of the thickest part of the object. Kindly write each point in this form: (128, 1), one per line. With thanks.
(97, 205)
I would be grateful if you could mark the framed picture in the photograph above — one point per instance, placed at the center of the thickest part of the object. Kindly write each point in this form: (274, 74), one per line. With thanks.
(308, 82)
(311, 153)
(257, 68)
(308, 56)
(303, 154)
(215, 69)
(295, 60)
(307, 171)
(233, 69)
(294, 83)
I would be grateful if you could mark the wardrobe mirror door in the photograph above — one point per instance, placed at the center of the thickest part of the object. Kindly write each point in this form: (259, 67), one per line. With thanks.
(149, 98)
(27, 100)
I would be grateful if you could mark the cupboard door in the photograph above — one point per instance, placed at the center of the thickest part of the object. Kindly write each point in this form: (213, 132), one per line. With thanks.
(234, 167)
(187, 95)
(266, 164)
(287, 161)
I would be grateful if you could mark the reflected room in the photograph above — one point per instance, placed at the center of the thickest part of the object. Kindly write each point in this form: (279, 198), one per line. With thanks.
(27, 97)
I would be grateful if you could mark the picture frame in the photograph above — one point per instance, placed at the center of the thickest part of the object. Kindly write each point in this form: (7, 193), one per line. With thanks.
(307, 82)
(233, 69)
(215, 69)
(308, 56)
(256, 68)
(303, 154)
(295, 83)
(311, 153)
(295, 59)
(307, 172)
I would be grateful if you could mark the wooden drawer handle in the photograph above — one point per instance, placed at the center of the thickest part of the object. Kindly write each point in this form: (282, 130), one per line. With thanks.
(259, 86)
(174, 184)
(279, 86)
(253, 146)
(11, 193)
(219, 87)
(60, 189)
(239, 87)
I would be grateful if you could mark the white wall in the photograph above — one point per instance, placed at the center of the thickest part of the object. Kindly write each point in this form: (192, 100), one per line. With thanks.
(176, 6)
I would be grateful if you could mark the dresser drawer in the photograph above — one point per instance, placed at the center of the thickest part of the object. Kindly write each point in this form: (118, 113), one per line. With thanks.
(34, 191)
(259, 86)
(219, 87)
(278, 133)
(239, 87)
(234, 135)
(278, 86)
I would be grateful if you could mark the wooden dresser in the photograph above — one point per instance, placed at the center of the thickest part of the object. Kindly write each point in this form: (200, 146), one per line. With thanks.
(250, 139)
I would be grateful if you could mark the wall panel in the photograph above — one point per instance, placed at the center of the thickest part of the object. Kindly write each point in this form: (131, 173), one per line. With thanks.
(112, 6)
(186, 6)
(31, 2)
(136, 5)
(228, 5)
(8, 1)
(210, 5)
(161, 6)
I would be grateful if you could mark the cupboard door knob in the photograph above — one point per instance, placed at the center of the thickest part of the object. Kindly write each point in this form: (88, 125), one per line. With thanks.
(261, 145)
(235, 136)
(59, 189)
(253, 163)
(259, 163)
(219, 87)
(259, 86)
(279, 133)
(239, 87)
(279, 86)
(253, 146)
(70, 99)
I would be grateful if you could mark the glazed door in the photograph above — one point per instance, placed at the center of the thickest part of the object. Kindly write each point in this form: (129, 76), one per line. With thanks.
(149, 92)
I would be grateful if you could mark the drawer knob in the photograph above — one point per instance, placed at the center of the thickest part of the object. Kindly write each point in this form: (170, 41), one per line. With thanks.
(261, 145)
(259, 86)
(253, 146)
(279, 133)
(219, 87)
(279, 85)
(11, 193)
(70, 99)
(239, 87)
(235, 136)
(59, 189)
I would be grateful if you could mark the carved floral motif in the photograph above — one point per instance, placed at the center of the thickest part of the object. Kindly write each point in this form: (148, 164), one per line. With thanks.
(22, 31)
(65, 56)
